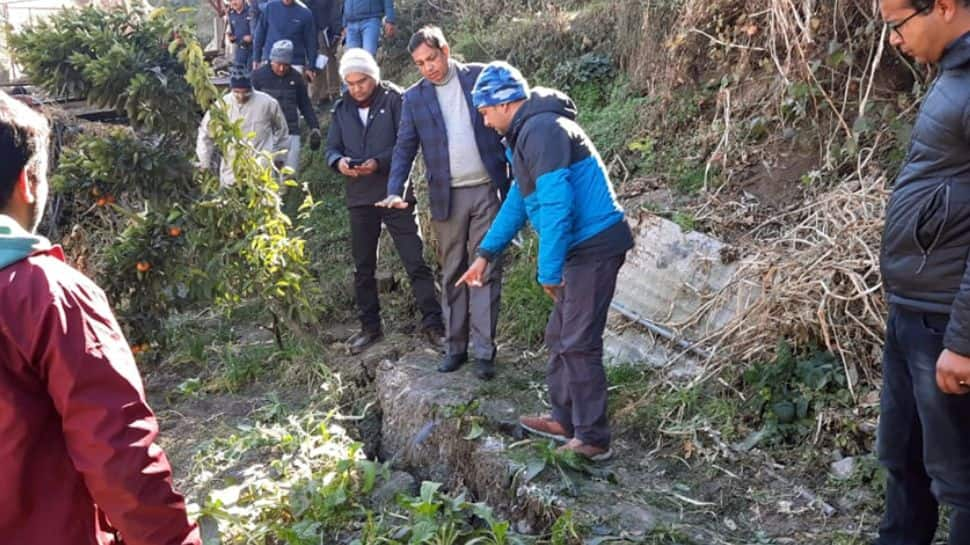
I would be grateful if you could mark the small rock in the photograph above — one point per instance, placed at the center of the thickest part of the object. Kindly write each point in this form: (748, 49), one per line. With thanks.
(844, 468)
(398, 483)
(523, 527)
(731, 525)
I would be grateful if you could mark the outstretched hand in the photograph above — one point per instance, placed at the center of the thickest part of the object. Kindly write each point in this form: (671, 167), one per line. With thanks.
(392, 201)
(473, 276)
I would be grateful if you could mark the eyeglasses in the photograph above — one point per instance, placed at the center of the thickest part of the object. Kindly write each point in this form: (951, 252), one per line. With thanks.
(897, 27)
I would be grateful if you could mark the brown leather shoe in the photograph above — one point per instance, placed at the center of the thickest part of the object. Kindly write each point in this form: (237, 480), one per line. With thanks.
(592, 452)
(544, 426)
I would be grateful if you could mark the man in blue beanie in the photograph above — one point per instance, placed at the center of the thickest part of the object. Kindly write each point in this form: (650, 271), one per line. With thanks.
(562, 187)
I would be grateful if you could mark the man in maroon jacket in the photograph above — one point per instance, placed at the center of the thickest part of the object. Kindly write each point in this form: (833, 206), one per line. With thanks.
(78, 462)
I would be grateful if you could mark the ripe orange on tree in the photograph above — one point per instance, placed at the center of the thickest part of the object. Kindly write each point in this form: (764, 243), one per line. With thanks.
(143, 266)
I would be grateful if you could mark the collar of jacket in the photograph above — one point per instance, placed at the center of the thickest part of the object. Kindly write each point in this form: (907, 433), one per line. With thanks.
(957, 54)
(16, 243)
(427, 90)
(379, 91)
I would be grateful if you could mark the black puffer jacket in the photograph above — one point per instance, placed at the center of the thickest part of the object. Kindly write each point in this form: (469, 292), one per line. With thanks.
(926, 240)
(349, 137)
(291, 92)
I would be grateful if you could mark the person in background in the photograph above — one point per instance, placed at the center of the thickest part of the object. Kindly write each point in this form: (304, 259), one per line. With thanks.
(287, 20)
(239, 32)
(261, 117)
(279, 80)
(363, 20)
(359, 145)
(563, 189)
(467, 174)
(79, 462)
(924, 426)
(327, 13)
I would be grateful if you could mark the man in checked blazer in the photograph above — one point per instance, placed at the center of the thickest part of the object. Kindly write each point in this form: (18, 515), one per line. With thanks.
(467, 177)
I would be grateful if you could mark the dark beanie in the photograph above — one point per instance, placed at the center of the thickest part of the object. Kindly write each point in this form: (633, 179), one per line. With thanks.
(240, 82)
(239, 78)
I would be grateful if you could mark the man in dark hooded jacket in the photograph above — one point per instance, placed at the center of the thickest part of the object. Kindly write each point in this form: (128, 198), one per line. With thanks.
(924, 428)
(561, 187)
(78, 463)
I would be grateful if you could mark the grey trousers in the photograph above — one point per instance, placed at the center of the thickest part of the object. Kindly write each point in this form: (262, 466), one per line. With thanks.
(574, 336)
(470, 314)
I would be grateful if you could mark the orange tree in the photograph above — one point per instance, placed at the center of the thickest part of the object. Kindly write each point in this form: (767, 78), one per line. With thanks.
(158, 234)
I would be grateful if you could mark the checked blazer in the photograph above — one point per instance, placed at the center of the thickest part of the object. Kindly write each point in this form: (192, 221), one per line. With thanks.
(422, 125)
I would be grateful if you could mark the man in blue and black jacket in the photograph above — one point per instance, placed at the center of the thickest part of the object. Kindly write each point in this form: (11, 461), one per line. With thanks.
(562, 188)
(924, 426)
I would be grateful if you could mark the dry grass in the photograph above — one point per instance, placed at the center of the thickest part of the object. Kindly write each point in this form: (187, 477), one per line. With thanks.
(816, 261)
(820, 281)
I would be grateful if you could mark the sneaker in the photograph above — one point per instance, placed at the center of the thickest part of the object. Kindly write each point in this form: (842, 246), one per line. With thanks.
(591, 452)
(363, 339)
(544, 426)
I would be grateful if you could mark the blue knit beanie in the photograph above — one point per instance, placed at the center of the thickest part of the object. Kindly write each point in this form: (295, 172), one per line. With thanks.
(499, 83)
(239, 78)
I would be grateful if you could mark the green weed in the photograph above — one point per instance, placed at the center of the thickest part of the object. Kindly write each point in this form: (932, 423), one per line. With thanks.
(525, 307)
(792, 388)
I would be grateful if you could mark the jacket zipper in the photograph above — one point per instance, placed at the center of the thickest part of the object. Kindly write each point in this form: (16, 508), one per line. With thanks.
(945, 188)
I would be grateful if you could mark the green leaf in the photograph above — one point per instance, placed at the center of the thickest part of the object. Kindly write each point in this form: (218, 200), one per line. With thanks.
(533, 468)
(476, 432)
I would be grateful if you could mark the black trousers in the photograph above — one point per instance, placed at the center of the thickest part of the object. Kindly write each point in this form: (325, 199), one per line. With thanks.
(924, 435)
(365, 230)
(574, 335)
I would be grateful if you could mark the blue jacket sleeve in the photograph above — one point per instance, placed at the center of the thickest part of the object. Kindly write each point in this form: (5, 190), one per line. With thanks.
(405, 151)
(389, 11)
(259, 36)
(555, 194)
(310, 39)
(510, 219)
(545, 148)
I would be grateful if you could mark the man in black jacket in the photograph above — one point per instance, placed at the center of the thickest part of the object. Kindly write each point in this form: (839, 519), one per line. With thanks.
(924, 429)
(359, 146)
(279, 80)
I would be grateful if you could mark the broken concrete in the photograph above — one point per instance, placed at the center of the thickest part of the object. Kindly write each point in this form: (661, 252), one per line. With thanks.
(681, 289)
(453, 428)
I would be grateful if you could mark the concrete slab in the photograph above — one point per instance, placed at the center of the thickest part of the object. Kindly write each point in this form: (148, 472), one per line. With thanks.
(681, 286)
